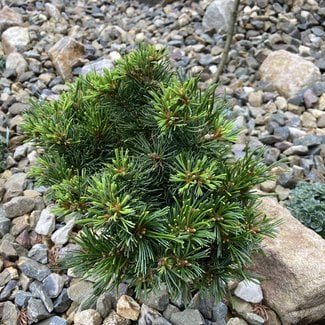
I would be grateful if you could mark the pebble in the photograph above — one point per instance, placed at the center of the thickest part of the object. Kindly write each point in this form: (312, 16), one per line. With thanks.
(9, 313)
(53, 285)
(148, 315)
(114, 319)
(38, 291)
(18, 206)
(14, 186)
(15, 39)
(65, 54)
(249, 291)
(22, 297)
(80, 290)
(187, 317)
(128, 308)
(158, 299)
(104, 304)
(39, 253)
(61, 236)
(236, 321)
(54, 320)
(88, 317)
(46, 222)
(36, 310)
(4, 226)
(33, 269)
(62, 302)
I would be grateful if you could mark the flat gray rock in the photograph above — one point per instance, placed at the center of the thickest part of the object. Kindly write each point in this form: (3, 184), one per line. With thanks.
(187, 317)
(18, 206)
(33, 269)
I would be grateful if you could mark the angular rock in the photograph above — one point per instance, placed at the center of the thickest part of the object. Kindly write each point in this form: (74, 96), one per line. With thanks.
(219, 313)
(87, 317)
(62, 302)
(288, 73)
(22, 298)
(38, 291)
(61, 236)
(7, 249)
(114, 319)
(46, 222)
(187, 317)
(292, 259)
(15, 39)
(147, 315)
(9, 314)
(4, 226)
(18, 206)
(203, 304)
(268, 186)
(53, 11)
(80, 290)
(241, 307)
(54, 320)
(65, 55)
(249, 291)
(310, 98)
(36, 310)
(39, 253)
(217, 15)
(254, 319)
(53, 285)
(158, 299)
(255, 98)
(4, 277)
(20, 151)
(98, 67)
(16, 62)
(171, 309)
(14, 186)
(309, 140)
(296, 150)
(7, 290)
(308, 120)
(33, 269)
(18, 108)
(161, 321)
(128, 308)
(104, 304)
(9, 18)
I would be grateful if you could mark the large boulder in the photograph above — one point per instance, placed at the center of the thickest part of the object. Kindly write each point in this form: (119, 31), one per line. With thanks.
(288, 73)
(217, 15)
(293, 269)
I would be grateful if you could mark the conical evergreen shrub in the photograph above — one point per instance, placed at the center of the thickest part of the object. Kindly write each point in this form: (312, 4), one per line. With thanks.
(143, 160)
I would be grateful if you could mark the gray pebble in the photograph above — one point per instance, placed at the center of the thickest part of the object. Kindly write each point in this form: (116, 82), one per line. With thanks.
(33, 269)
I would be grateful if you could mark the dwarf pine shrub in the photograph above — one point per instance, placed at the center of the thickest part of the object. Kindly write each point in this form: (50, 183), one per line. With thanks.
(143, 160)
(307, 204)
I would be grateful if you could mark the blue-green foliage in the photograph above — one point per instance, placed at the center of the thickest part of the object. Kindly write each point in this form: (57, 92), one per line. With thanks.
(307, 204)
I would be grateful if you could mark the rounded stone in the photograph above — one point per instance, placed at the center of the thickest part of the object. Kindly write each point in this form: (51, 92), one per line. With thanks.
(88, 317)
